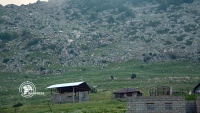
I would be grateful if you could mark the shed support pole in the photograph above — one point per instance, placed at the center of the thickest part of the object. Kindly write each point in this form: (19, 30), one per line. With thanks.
(60, 96)
(73, 94)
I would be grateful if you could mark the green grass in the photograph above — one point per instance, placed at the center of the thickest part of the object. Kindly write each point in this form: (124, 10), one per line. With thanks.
(180, 75)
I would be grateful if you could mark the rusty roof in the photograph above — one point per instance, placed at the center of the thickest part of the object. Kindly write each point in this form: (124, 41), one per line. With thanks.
(127, 90)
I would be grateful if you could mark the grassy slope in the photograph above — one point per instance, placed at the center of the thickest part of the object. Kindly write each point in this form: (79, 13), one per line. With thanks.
(179, 75)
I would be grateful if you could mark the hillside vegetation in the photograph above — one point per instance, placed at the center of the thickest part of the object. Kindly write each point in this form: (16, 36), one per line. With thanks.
(63, 41)
(37, 37)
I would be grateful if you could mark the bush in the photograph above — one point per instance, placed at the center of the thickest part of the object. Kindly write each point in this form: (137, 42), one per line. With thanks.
(2, 21)
(33, 42)
(167, 43)
(110, 19)
(8, 36)
(146, 59)
(188, 1)
(133, 76)
(191, 97)
(172, 56)
(18, 105)
(180, 38)
(26, 33)
(6, 60)
(189, 42)
(2, 45)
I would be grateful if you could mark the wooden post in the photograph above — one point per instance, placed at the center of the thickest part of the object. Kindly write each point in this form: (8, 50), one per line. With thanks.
(60, 96)
(73, 94)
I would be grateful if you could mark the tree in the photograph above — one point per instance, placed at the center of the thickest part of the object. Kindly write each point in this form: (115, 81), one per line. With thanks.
(16, 106)
(133, 76)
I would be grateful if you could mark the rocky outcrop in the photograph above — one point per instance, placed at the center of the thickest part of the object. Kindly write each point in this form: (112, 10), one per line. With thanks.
(67, 34)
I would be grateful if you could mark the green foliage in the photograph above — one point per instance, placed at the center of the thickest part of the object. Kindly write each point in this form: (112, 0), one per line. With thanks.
(18, 105)
(1, 20)
(168, 42)
(148, 76)
(6, 60)
(164, 4)
(133, 76)
(33, 42)
(102, 5)
(162, 31)
(189, 28)
(188, 1)
(180, 38)
(111, 19)
(52, 46)
(93, 16)
(153, 23)
(172, 56)
(26, 33)
(8, 36)
(2, 45)
(76, 15)
(191, 97)
(189, 41)
(1, 12)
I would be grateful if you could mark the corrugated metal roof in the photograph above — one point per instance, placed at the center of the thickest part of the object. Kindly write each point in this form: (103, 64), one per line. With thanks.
(65, 85)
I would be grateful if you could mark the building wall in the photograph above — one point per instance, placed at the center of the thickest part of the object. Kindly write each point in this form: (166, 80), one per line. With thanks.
(83, 96)
(191, 107)
(159, 104)
(124, 95)
(68, 97)
(198, 104)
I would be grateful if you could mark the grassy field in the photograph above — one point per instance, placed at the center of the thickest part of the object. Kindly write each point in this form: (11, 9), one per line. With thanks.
(180, 75)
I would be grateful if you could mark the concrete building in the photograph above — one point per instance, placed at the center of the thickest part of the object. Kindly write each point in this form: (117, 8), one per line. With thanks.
(162, 104)
(69, 92)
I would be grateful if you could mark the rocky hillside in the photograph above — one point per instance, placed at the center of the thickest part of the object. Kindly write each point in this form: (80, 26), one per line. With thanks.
(42, 37)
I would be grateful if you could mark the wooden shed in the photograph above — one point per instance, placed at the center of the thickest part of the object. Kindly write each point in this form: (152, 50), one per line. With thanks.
(127, 92)
(69, 92)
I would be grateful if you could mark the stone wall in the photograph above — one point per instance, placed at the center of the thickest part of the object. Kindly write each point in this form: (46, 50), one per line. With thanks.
(158, 104)
(190, 107)
(198, 104)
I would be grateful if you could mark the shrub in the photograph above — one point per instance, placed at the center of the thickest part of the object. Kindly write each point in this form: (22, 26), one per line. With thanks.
(8, 36)
(162, 31)
(191, 97)
(6, 60)
(33, 42)
(189, 42)
(188, 1)
(2, 45)
(2, 21)
(18, 105)
(133, 76)
(167, 43)
(93, 16)
(180, 38)
(172, 56)
(26, 33)
(110, 19)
